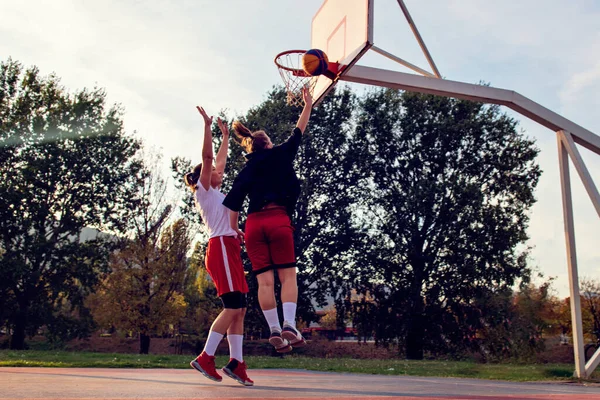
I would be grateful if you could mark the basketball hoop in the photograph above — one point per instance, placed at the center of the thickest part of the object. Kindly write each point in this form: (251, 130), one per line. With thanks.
(293, 76)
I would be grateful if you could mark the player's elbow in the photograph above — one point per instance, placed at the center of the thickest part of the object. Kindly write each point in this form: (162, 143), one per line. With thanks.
(302, 128)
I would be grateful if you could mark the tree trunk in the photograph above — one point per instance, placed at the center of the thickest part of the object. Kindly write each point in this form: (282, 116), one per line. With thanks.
(414, 336)
(415, 326)
(17, 340)
(144, 343)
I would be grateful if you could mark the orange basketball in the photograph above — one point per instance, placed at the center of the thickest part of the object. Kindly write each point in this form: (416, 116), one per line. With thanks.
(314, 62)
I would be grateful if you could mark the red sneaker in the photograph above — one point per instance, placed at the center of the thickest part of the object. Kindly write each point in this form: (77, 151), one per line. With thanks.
(237, 370)
(205, 364)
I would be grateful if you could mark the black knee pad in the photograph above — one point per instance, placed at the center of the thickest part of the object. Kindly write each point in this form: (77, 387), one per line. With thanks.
(234, 300)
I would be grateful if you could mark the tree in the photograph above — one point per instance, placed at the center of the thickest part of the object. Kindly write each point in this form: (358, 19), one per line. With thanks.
(143, 292)
(590, 301)
(200, 296)
(444, 189)
(145, 285)
(65, 164)
(514, 324)
(329, 319)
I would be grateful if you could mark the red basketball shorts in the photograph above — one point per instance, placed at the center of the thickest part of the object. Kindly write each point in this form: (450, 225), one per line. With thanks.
(224, 265)
(270, 240)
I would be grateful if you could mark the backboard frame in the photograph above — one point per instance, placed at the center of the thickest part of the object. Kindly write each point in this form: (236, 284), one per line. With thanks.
(346, 18)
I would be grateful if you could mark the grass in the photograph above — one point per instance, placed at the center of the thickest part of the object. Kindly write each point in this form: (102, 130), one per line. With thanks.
(457, 369)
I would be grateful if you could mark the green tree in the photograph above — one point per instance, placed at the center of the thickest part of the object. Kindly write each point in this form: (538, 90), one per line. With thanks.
(515, 324)
(143, 292)
(443, 194)
(200, 295)
(590, 302)
(65, 164)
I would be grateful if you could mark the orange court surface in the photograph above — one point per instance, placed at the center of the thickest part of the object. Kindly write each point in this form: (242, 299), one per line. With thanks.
(157, 384)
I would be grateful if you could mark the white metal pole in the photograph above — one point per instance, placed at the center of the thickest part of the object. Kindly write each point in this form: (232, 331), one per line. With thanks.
(469, 91)
(565, 184)
(590, 187)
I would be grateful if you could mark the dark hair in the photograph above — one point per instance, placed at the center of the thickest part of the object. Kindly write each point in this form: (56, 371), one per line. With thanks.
(250, 141)
(191, 178)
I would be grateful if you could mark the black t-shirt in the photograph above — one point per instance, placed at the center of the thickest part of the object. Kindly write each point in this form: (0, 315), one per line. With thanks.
(268, 177)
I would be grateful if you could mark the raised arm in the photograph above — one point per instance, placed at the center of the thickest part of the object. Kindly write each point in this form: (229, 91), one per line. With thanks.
(221, 159)
(305, 115)
(207, 150)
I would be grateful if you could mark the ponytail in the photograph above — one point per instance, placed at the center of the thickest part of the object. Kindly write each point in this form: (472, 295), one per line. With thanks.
(250, 141)
(191, 178)
(244, 135)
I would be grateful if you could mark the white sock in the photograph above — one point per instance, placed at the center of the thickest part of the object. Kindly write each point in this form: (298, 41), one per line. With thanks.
(214, 338)
(235, 346)
(272, 319)
(289, 314)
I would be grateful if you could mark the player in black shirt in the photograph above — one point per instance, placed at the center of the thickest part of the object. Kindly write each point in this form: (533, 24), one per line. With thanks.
(269, 181)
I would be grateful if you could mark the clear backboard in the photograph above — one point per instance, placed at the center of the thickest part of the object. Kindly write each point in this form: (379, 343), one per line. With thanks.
(343, 29)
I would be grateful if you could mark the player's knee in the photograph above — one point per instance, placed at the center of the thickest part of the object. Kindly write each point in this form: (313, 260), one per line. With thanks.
(240, 314)
(287, 276)
(266, 280)
(233, 302)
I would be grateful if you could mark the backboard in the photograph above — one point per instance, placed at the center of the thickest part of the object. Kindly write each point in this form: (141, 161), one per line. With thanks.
(343, 29)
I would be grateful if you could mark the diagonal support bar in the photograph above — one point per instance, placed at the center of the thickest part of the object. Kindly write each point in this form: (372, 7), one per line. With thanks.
(584, 174)
(401, 61)
(413, 26)
(592, 364)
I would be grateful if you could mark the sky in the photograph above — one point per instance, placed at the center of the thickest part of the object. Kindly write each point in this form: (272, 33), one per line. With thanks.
(159, 59)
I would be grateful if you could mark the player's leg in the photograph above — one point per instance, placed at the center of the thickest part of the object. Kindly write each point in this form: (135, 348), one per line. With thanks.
(257, 247)
(268, 304)
(205, 362)
(289, 298)
(234, 302)
(281, 247)
(217, 265)
(236, 367)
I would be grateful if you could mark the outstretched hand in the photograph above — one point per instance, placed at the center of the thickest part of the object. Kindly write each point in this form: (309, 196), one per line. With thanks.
(306, 96)
(207, 119)
(224, 129)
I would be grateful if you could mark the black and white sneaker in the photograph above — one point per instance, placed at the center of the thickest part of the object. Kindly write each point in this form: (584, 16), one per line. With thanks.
(281, 345)
(293, 336)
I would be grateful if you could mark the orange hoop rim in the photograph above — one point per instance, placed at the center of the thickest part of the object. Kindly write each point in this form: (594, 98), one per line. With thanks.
(296, 71)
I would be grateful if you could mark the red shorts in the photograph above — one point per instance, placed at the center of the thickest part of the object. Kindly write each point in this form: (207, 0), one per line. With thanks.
(270, 240)
(224, 265)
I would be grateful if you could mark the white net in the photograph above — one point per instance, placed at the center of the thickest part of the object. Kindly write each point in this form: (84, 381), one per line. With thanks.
(294, 78)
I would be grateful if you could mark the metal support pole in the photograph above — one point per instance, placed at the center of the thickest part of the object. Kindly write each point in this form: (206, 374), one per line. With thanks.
(565, 184)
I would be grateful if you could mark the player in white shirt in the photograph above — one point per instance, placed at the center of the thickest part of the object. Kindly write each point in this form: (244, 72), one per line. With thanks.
(223, 261)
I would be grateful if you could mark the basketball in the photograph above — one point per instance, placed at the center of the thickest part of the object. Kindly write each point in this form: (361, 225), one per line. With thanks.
(314, 62)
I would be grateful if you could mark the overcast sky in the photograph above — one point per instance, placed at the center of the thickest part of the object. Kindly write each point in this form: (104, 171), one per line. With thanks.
(161, 58)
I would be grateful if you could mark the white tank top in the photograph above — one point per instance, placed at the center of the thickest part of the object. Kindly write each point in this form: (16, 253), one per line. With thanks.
(214, 214)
